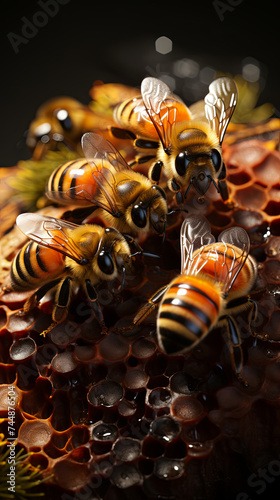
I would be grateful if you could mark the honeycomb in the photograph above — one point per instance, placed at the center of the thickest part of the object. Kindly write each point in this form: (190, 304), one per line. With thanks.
(113, 417)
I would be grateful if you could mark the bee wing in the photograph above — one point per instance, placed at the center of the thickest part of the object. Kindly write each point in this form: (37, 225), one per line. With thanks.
(220, 103)
(195, 234)
(50, 232)
(97, 147)
(233, 261)
(105, 161)
(163, 108)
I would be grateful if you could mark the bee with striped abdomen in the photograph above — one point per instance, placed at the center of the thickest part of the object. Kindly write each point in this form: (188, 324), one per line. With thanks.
(59, 119)
(185, 142)
(128, 199)
(62, 255)
(214, 282)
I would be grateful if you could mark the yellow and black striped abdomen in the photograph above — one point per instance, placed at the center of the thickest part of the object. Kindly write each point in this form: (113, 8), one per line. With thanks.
(34, 266)
(132, 115)
(73, 181)
(189, 309)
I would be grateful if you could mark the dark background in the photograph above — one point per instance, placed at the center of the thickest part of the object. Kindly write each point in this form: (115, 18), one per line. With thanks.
(115, 42)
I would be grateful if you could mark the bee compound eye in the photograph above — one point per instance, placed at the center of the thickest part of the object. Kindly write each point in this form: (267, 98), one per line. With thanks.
(64, 119)
(105, 262)
(139, 216)
(181, 163)
(216, 159)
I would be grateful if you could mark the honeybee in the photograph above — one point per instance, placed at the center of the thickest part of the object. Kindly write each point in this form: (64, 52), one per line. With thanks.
(128, 199)
(59, 119)
(186, 142)
(214, 282)
(63, 255)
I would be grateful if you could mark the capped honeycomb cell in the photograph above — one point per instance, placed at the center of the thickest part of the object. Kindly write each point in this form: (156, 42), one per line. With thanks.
(35, 434)
(187, 409)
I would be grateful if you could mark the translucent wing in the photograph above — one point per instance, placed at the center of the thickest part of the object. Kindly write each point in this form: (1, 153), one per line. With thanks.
(237, 244)
(97, 147)
(105, 162)
(163, 108)
(50, 232)
(220, 103)
(195, 234)
(95, 183)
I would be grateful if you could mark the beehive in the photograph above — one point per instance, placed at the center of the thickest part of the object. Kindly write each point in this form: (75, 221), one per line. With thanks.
(111, 417)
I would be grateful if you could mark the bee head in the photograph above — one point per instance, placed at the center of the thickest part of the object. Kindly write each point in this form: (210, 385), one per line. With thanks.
(149, 210)
(113, 254)
(200, 168)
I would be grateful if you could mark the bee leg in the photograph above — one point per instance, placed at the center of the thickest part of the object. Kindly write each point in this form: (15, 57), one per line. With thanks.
(235, 349)
(121, 285)
(29, 304)
(149, 306)
(79, 214)
(130, 239)
(35, 298)
(140, 250)
(223, 187)
(62, 300)
(121, 133)
(92, 295)
(253, 315)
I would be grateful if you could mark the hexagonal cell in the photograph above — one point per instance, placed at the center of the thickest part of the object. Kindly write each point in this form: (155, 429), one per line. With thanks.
(159, 397)
(218, 219)
(113, 348)
(9, 393)
(34, 434)
(274, 193)
(247, 218)
(136, 379)
(275, 226)
(273, 207)
(107, 393)
(127, 449)
(268, 172)
(22, 349)
(125, 476)
(165, 428)
(252, 197)
(246, 154)
(143, 348)
(169, 468)
(69, 474)
(188, 409)
(239, 178)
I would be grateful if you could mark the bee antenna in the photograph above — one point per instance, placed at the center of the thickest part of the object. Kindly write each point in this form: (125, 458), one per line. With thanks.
(177, 210)
(146, 254)
(214, 182)
(120, 288)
